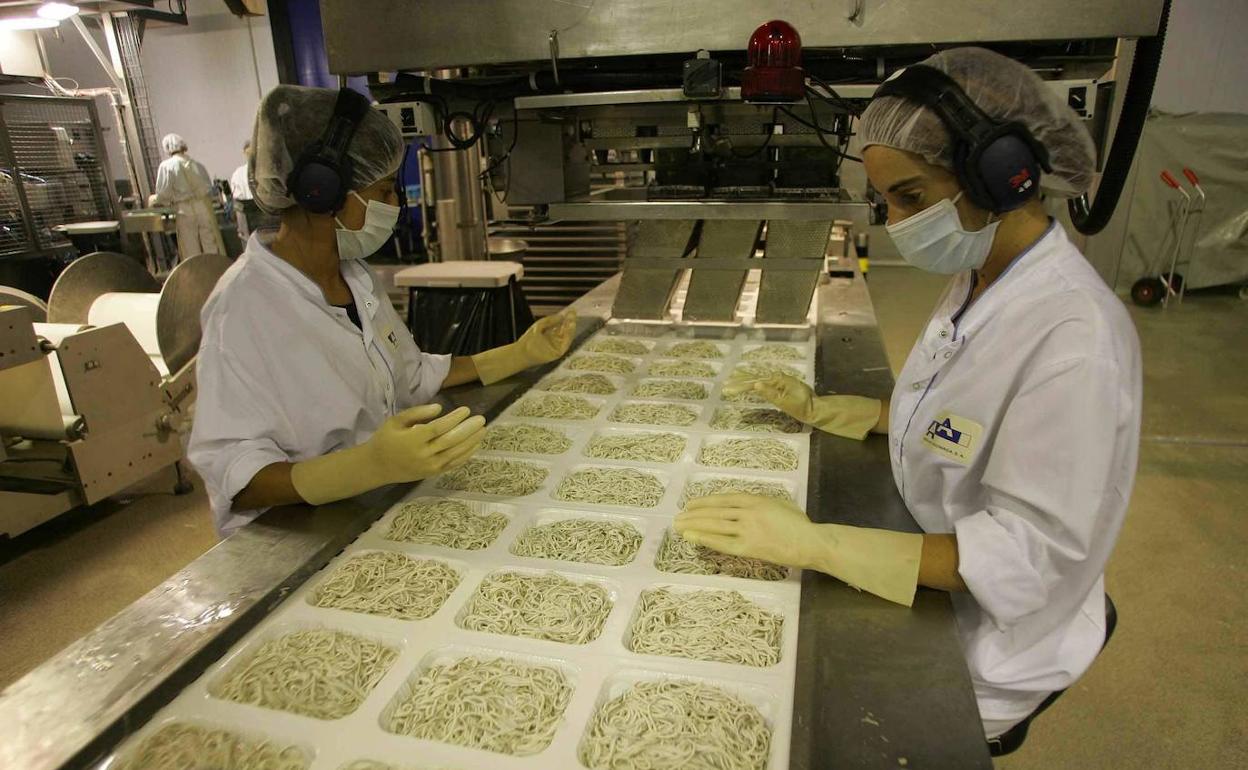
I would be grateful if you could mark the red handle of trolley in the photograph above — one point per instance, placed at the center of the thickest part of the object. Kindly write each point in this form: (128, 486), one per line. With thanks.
(1195, 181)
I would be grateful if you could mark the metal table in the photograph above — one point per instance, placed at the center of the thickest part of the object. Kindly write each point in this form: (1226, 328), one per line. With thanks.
(877, 683)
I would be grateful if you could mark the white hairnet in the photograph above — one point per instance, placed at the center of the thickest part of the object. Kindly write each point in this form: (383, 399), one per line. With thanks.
(1004, 89)
(173, 143)
(290, 119)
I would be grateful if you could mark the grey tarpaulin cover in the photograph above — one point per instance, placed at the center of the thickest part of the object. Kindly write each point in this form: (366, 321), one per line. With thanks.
(1215, 146)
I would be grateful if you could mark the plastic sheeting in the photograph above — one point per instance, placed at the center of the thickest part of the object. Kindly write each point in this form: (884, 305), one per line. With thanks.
(1215, 146)
(464, 322)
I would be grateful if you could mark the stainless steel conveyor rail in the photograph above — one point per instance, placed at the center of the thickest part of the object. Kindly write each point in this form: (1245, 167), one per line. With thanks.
(877, 683)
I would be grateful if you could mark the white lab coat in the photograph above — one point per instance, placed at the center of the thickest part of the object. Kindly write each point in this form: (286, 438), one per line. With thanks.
(1016, 426)
(240, 187)
(240, 190)
(185, 184)
(284, 376)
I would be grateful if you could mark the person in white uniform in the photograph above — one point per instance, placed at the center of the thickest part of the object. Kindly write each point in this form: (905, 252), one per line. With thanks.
(1013, 427)
(245, 210)
(184, 184)
(310, 387)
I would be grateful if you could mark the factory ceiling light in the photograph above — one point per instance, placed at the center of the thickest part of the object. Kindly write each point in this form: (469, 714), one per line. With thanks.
(27, 22)
(57, 11)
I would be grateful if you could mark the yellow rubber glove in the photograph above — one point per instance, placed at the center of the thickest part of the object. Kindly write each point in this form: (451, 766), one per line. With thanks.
(845, 416)
(410, 445)
(877, 561)
(545, 341)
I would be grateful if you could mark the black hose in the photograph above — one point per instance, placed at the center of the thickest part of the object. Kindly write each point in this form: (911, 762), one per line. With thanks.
(1135, 105)
(539, 82)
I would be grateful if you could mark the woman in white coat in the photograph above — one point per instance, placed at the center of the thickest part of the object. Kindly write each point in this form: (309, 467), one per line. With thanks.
(1013, 427)
(310, 387)
(184, 183)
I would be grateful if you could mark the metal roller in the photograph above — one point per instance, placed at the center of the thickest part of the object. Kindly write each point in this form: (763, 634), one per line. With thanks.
(183, 296)
(12, 296)
(86, 278)
(108, 276)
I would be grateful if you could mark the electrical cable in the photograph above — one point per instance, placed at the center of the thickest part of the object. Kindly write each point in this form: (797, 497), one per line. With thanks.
(833, 97)
(505, 158)
(819, 132)
(766, 142)
(448, 127)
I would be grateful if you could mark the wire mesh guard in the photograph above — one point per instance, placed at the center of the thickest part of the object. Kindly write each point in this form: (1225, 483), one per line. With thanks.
(53, 171)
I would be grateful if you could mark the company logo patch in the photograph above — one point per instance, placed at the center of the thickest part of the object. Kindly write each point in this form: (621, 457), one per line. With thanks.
(1021, 182)
(388, 334)
(954, 437)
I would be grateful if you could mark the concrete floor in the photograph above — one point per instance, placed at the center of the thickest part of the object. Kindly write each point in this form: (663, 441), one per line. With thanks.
(1169, 691)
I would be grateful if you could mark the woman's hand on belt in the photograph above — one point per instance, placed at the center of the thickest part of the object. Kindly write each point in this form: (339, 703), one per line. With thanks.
(878, 561)
(545, 341)
(413, 444)
(846, 416)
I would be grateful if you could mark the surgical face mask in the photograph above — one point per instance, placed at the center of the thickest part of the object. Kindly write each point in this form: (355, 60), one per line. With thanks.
(934, 240)
(379, 221)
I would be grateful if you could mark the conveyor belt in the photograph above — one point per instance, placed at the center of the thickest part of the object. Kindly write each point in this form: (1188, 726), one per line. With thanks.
(876, 683)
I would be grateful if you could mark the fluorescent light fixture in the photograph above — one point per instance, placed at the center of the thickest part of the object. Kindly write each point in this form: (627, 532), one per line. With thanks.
(57, 11)
(27, 22)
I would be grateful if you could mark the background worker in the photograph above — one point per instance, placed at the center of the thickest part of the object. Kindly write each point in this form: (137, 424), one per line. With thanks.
(184, 184)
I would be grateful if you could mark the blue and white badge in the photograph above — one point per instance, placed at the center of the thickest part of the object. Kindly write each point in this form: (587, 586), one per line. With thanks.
(954, 437)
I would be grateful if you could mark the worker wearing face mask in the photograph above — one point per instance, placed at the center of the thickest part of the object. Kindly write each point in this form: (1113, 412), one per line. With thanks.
(1013, 427)
(184, 184)
(310, 387)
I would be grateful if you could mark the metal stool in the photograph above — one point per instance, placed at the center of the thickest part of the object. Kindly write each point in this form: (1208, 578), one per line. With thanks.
(1012, 739)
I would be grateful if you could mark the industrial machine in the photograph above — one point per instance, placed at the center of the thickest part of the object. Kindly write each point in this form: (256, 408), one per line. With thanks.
(724, 145)
(96, 385)
(579, 114)
(54, 173)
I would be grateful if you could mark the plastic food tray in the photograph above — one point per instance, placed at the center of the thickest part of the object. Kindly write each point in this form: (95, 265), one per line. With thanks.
(597, 671)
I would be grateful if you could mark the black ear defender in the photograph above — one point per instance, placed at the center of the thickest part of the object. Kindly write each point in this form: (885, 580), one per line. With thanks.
(998, 163)
(322, 175)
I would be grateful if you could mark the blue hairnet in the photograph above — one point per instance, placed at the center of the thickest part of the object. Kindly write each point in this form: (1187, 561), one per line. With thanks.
(290, 119)
(1004, 89)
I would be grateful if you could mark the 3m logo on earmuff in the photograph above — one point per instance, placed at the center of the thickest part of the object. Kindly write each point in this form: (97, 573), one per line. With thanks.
(1022, 181)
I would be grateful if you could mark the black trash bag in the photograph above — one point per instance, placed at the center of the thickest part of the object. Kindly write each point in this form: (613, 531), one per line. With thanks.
(464, 322)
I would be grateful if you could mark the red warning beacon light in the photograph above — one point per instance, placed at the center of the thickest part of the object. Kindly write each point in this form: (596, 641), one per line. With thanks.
(775, 73)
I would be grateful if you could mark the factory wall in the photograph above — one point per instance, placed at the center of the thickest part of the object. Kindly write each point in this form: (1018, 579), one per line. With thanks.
(205, 81)
(1205, 60)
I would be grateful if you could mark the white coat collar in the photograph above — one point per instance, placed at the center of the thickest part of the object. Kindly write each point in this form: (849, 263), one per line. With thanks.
(1018, 278)
(354, 272)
